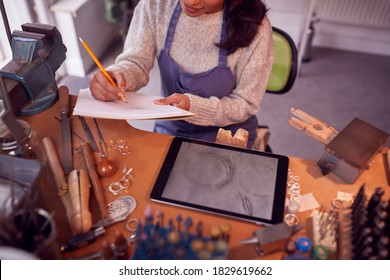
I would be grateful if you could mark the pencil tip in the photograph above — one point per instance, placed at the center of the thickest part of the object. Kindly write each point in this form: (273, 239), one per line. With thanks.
(81, 40)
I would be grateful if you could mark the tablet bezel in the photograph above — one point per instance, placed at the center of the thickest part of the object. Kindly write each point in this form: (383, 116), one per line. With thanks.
(279, 190)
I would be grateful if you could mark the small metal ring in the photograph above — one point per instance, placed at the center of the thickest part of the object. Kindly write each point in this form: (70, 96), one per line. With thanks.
(120, 143)
(124, 182)
(291, 219)
(337, 203)
(134, 222)
(295, 186)
(116, 188)
(296, 198)
(125, 150)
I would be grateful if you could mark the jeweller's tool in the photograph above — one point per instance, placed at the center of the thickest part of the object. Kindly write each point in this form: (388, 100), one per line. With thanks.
(348, 153)
(66, 136)
(110, 220)
(101, 67)
(105, 167)
(96, 186)
(73, 132)
(120, 210)
(82, 240)
(59, 176)
(55, 165)
(74, 193)
(37, 52)
(313, 127)
(273, 234)
(88, 132)
(79, 190)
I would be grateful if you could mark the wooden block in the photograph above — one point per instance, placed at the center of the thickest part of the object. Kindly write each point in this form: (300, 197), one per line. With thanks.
(240, 138)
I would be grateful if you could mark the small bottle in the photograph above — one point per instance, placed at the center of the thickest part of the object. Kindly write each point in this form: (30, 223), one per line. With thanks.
(107, 251)
(121, 247)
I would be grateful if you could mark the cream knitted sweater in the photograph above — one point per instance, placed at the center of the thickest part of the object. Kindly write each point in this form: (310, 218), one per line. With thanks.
(194, 50)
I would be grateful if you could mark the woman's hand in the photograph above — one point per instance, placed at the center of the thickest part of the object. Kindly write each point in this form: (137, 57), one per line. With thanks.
(102, 89)
(181, 101)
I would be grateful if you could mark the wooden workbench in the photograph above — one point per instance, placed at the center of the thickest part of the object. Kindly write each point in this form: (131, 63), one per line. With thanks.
(146, 158)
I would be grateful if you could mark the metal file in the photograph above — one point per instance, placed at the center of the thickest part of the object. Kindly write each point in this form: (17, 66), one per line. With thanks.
(66, 137)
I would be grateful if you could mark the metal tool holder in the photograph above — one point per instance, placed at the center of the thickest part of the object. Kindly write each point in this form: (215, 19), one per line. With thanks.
(363, 231)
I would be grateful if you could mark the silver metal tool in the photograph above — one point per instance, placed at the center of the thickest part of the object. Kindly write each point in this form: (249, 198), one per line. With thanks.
(82, 240)
(88, 132)
(271, 234)
(110, 221)
(66, 134)
(101, 139)
(89, 237)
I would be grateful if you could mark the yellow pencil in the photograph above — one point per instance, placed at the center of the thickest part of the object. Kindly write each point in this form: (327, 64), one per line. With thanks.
(91, 54)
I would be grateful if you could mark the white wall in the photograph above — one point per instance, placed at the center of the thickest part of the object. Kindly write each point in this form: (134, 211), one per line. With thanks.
(355, 25)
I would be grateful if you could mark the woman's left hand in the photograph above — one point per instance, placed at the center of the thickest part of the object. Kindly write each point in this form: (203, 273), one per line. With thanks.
(179, 100)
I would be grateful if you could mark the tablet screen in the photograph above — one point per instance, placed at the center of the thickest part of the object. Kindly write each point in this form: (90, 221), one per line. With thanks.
(239, 183)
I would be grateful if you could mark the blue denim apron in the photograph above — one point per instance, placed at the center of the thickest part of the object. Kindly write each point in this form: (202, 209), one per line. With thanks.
(218, 82)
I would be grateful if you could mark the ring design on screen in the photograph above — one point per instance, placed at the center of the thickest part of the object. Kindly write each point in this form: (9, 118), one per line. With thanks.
(257, 172)
(246, 203)
(217, 173)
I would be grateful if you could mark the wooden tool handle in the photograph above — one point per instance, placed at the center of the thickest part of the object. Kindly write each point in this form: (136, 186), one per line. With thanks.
(55, 165)
(63, 93)
(388, 160)
(94, 177)
(79, 190)
(59, 177)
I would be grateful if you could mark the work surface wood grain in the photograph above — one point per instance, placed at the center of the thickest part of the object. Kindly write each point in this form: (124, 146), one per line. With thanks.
(148, 151)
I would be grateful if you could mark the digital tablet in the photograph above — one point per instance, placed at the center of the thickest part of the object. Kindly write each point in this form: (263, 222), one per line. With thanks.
(239, 183)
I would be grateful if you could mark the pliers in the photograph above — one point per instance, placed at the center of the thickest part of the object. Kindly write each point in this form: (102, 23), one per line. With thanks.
(313, 127)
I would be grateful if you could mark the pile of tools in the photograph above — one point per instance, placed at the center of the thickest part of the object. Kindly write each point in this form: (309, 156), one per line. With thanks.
(364, 228)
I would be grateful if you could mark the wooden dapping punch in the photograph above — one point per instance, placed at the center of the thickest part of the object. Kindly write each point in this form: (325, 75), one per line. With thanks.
(74, 193)
(59, 177)
(55, 165)
(79, 190)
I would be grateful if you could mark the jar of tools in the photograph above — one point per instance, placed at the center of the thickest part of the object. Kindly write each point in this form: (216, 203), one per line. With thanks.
(27, 146)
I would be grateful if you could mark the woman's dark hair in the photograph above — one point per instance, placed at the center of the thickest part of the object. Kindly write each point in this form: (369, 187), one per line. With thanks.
(243, 19)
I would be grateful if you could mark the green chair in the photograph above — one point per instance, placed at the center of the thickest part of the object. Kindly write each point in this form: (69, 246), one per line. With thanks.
(282, 78)
(285, 67)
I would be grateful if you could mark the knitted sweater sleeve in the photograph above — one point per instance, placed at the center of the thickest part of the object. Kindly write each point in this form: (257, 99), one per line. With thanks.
(252, 67)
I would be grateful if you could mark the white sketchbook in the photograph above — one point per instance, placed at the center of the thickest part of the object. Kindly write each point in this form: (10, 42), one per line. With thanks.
(138, 107)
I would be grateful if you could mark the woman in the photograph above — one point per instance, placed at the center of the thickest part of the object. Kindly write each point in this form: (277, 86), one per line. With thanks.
(215, 57)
